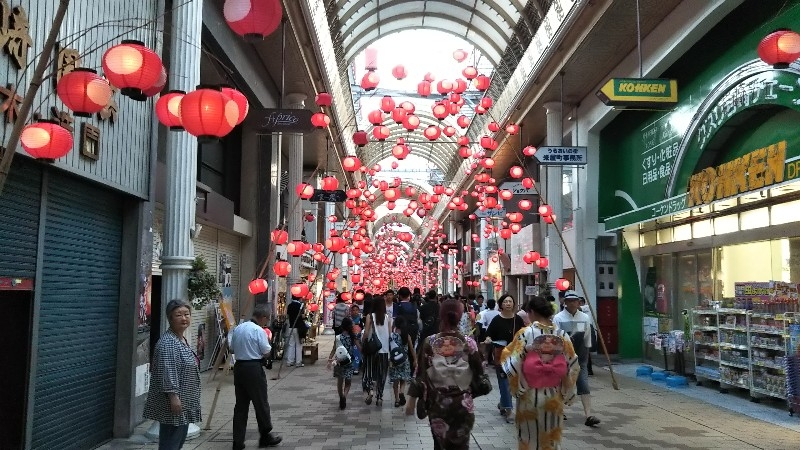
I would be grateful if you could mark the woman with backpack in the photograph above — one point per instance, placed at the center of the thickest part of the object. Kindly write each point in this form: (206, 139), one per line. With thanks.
(448, 365)
(542, 369)
(499, 334)
(376, 366)
(401, 358)
(343, 371)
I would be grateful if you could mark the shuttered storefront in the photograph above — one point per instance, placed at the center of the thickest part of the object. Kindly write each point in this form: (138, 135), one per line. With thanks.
(77, 346)
(19, 220)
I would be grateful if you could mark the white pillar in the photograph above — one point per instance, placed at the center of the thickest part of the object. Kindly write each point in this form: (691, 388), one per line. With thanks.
(181, 183)
(553, 194)
(484, 255)
(293, 146)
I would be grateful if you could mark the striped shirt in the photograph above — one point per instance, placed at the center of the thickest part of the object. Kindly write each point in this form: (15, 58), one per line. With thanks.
(341, 311)
(174, 371)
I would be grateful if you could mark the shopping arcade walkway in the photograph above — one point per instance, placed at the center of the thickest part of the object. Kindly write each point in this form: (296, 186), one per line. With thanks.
(639, 416)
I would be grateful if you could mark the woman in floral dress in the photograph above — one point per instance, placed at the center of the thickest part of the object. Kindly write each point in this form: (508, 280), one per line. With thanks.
(446, 394)
(344, 372)
(540, 412)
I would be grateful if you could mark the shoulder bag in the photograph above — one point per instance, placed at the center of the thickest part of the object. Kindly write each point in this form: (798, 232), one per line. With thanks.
(372, 344)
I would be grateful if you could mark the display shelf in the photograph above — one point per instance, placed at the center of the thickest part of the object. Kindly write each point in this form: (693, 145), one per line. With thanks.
(733, 364)
(705, 331)
(732, 311)
(707, 344)
(708, 357)
(706, 312)
(705, 328)
(730, 328)
(733, 346)
(769, 365)
(773, 332)
(769, 393)
(767, 347)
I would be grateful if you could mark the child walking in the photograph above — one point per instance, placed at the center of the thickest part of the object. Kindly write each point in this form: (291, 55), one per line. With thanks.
(400, 360)
(343, 368)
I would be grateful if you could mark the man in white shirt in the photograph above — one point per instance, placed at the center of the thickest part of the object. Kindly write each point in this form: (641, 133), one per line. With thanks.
(578, 326)
(250, 345)
(485, 319)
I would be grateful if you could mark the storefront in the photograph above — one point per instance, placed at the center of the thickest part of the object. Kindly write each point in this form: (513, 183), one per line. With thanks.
(706, 198)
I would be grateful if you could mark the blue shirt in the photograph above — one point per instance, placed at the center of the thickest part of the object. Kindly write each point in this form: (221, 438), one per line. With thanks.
(249, 341)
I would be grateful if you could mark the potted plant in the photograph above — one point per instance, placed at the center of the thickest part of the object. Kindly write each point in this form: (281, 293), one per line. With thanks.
(203, 286)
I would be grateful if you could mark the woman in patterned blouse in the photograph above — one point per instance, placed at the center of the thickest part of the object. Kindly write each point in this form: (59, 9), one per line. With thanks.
(174, 396)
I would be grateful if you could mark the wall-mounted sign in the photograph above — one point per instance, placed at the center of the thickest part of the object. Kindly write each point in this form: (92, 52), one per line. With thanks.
(336, 196)
(16, 284)
(561, 156)
(517, 188)
(640, 92)
(270, 120)
(756, 170)
(494, 212)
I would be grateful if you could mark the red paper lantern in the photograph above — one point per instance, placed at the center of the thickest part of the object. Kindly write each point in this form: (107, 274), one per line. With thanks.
(132, 67)
(449, 131)
(323, 99)
(493, 126)
(381, 133)
(542, 263)
(168, 110)
(487, 102)
(351, 163)
(516, 172)
(320, 120)
(528, 183)
(84, 91)
(254, 20)
(240, 100)
(360, 138)
(562, 284)
(46, 140)
(400, 152)
(279, 237)
(299, 290)
(424, 88)
(282, 268)
(159, 86)
(314, 307)
(399, 72)
(464, 152)
(545, 210)
(529, 150)
(411, 122)
(460, 55)
(375, 117)
(387, 104)
(512, 129)
(304, 191)
(780, 48)
(525, 204)
(531, 257)
(296, 248)
(470, 72)
(482, 82)
(257, 286)
(208, 113)
(330, 183)
(370, 81)
(432, 132)
(399, 115)
(440, 111)
(505, 194)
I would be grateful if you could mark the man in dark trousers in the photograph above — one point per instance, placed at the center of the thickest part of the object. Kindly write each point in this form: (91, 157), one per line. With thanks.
(250, 345)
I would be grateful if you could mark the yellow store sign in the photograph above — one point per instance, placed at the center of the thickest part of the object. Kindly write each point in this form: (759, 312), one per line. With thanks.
(753, 171)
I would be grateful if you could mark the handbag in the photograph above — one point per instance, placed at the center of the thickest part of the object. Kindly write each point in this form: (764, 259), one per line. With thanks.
(372, 345)
(396, 354)
(480, 385)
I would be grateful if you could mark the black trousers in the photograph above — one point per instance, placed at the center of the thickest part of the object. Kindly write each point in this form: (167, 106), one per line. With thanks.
(250, 384)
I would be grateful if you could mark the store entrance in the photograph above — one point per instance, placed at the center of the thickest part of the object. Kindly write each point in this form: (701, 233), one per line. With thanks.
(15, 359)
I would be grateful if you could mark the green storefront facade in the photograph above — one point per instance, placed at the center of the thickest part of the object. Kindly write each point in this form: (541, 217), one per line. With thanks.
(704, 195)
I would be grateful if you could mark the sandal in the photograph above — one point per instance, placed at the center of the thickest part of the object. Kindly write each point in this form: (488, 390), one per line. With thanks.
(368, 400)
(591, 421)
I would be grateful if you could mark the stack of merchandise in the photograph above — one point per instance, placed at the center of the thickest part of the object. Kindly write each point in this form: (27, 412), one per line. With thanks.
(768, 297)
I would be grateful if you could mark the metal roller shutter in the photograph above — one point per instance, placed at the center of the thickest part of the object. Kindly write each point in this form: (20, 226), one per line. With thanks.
(19, 220)
(76, 366)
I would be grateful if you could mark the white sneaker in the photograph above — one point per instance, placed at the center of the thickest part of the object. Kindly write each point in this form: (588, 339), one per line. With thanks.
(301, 365)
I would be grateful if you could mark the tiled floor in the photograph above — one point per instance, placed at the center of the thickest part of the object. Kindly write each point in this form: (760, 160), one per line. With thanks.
(638, 416)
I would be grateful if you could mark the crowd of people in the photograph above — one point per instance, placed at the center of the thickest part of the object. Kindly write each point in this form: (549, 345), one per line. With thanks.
(433, 350)
(438, 346)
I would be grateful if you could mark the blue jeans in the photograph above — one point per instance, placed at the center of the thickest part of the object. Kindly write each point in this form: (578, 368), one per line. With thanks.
(504, 388)
(171, 437)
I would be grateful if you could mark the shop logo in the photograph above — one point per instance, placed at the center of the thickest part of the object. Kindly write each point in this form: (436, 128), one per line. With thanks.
(753, 171)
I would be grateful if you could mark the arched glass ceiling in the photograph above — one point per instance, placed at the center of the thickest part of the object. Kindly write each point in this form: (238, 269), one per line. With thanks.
(385, 216)
(486, 24)
(437, 60)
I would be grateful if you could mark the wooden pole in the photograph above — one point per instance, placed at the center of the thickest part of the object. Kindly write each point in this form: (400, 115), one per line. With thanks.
(33, 88)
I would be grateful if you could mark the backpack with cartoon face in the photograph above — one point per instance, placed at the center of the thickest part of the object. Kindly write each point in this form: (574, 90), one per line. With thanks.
(545, 364)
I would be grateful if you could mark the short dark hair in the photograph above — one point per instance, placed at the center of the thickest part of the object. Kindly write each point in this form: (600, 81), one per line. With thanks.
(388, 291)
(490, 304)
(540, 306)
(431, 295)
(261, 311)
(404, 292)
